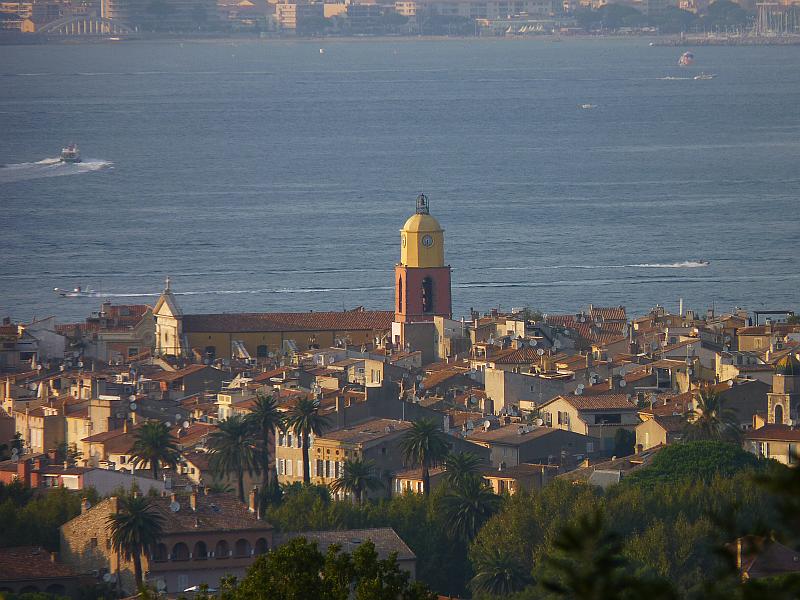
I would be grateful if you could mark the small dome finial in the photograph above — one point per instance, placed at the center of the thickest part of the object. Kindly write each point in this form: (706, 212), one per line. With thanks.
(422, 205)
(166, 284)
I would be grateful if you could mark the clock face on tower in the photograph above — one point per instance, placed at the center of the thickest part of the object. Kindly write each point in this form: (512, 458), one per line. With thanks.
(427, 241)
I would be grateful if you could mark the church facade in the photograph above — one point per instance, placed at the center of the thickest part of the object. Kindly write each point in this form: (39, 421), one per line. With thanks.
(422, 293)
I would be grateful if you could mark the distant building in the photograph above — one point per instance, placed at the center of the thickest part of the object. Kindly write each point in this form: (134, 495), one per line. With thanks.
(519, 443)
(32, 570)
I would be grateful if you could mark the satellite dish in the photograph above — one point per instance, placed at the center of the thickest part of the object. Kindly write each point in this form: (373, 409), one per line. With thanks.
(132, 397)
(539, 422)
(419, 377)
(14, 451)
(15, 458)
(107, 577)
(168, 424)
(174, 506)
(186, 424)
(540, 352)
(80, 364)
(622, 383)
(533, 343)
(177, 417)
(133, 406)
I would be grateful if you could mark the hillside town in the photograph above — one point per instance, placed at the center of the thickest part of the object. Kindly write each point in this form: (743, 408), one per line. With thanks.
(213, 417)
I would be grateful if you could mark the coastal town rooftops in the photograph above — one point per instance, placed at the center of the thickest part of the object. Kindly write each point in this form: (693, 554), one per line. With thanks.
(366, 432)
(21, 563)
(599, 402)
(179, 374)
(386, 541)
(352, 320)
(671, 423)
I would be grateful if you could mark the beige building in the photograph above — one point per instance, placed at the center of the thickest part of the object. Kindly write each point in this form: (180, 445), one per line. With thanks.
(205, 538)
(659, 430)
(596, 416)
(778, 442)
(258, 336)
(518, 443)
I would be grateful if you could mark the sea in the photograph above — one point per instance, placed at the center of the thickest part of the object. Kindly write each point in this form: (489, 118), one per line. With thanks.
(274, 175)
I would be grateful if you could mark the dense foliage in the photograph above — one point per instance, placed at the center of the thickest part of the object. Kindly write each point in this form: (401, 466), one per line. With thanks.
(297, 570)
(27, 519)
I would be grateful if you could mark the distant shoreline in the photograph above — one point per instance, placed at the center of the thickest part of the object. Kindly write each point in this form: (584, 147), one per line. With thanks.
(14, 39)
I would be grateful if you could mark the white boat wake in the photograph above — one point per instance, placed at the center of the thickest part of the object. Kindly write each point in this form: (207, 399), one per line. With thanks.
(50, 167)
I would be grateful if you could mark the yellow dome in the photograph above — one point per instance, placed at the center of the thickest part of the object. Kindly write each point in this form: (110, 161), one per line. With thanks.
(421, 222)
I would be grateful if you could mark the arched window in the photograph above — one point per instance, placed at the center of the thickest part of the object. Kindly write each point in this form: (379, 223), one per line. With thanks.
(262, 351)
(400, 295)
(427, 295)
(242, 548)
(180, 551)
(261, 546)
(200, 551)
(222, 550)
(779, 414)
(160, 553)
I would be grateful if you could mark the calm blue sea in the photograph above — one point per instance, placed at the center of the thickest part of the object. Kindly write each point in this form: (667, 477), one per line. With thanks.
(268, 176)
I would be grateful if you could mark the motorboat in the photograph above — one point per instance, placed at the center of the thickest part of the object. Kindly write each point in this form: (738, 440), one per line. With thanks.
(704, 76)
(587, 106)
(70, 154)
(686, 59)
(77, 292)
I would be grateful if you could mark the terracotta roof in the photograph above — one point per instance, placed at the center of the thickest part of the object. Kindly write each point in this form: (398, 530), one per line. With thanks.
(625, 465)
(510, 435)
(215, 512)
(439, 377)
(267, 375)
(9, 330)
(671, 423)
(779, 328)
(516, 356)
(599, 402)
(774, 432)
(385, 539)
(354, 320)
(175, 375)
(612, 313)
(30, 562)
(520, 471)
(366, 432)
(193, 435)
(766, 558)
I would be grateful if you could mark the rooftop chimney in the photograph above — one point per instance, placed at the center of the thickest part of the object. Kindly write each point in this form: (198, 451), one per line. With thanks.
(193, 500)
(85, 505)
(53, 556)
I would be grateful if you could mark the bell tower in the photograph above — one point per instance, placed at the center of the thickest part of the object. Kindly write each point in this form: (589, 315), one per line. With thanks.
(422, 280)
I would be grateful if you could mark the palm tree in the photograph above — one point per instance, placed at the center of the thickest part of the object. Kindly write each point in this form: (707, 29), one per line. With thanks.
(264, 420)
(710, 420)
(135, 528)
(498, 572)
(459, 466)
(233, 450)
(467, 506)
(304, 419)
(359, 477)
(154, 444)
(424, 445)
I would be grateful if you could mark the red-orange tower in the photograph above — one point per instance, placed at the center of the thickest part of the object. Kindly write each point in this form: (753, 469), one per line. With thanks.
(422, 280)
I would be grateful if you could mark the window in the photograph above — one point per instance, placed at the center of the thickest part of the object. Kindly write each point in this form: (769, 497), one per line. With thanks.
(133, 351)
(288, 440)
(793, 454)
(299, 471)
(764, 449)
(242, 548)
(288, 467)
(282, 466)
(281, 439)
(180, 551)
(211, 352)
(427, 295)
(262, 351)
(400, 295)
(222, 550)
(200, 551)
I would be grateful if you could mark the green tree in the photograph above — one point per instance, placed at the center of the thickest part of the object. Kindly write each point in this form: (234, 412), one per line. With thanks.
(710, 420)
(305, 420)
(424, 445)
(358, 478)
(233, 451)
(135, 528)
(154, 445)
(588, 565)
(265, 420)
(467, 506)
(460, 466)
(499, 572)
(624, 442)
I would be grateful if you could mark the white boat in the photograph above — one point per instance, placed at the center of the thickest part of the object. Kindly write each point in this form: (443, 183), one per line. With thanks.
(587, 106)
(704, 76)
(77, 292)
(71, 154)
(686, 59)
